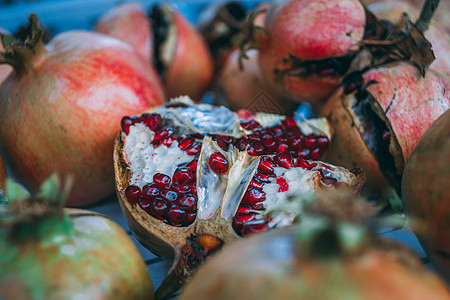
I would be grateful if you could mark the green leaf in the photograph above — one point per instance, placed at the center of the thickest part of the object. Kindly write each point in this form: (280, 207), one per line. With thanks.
(15, 191)
(50, 189)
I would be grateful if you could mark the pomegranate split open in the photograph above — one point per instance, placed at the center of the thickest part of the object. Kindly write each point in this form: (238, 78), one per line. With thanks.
(192, 177)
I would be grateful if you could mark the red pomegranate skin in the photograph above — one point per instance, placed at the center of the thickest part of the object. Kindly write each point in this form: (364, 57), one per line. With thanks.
(4, 69)
(426, 194)
(128, 22)
(191, 68)
(64, 112)
(309, 30)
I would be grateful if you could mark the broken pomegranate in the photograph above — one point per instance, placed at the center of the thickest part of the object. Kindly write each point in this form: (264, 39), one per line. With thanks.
(426, 194)
(61, 108)
(193, 177)
(378, 118)
(53, 253)
(324, 257)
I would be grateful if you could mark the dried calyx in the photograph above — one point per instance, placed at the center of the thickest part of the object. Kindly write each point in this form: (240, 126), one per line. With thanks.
(193, 177)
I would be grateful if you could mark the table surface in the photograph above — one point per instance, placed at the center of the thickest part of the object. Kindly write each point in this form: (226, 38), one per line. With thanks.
(158, 267)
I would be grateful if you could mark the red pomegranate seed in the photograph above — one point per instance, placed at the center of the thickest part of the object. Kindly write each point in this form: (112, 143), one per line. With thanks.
(175, 215)
(193, 188)
(164, 132)
(190, 218)
(282, 148)
(309, 142)
(257, 206)
(302, 163)
(167, 141)
(312, 165)
(295, 142)
(192, 166)
(224, 146)
(242, 144)
(253, 195)
(152, 121)
(125, 123)
(188, 202)
(160, 207)
(218, 163)
(315, 154)
(147, 206)
(243, 210)
(226, 139)
(269, 143)
(255, 183)
(350, 87)
(180, 188)
(161, 180)
(194, 148)
(289, 122)
(240, 219)
(186, 142)
(255, 149)
(135, 120)
(266, 165)
(262, 177)
(284, 160)
(250, 125)
(277, 131)
(133, 193)
(254, 226)
(150, 190)
(283, 185)
(170, 195)
(322, 142)
(303, 153)
(386, 136)
(182, 175)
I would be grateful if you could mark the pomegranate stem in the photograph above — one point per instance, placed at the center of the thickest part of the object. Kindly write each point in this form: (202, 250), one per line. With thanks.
(426, 14)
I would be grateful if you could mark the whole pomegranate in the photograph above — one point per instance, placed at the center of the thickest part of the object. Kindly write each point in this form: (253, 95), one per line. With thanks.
(426, 194)
(48, 252)
(60, 107)
(178, 51)
(328, 265)
(309, 45)
(128, 18)
(435, 34)
(4, 69)
(379, 116)
(191, 178)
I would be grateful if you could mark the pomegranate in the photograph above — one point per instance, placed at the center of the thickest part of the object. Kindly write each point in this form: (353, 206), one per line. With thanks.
(4, 69)
(128, 18)
(60, 108)
(378, 118)
(438, 37)
(330, 33)
(317, 260)
(179, 52)
(192, 177)
(426, 194)
(247, 88)
(2, 174)
(53, 253)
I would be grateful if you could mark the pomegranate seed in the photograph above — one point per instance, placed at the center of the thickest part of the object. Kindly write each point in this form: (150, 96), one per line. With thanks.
(277, 131)
(303, 153)
(190, 218)
(309, 142)
(193, 188)
(283, 185)
(269, 143)
(135, 119)
(312, 165)
(186, 142)
(315, 154)
(254, 226)
(194, 148)
(243, 210)
(289, 122)
(180, 188)
(133, 193)
(226, 139)
(255, 149)
(161, 180)
(188, 202)
(322, 142)
(160, 207)
(182, 175)
(282, 148)
(242, 144)
(192, 166)
(295, 142)
(266, 165)
(170, 195)
(302, 163)
(224, 146)
(281, 139)
(257, 206)
(284, 160)
(386, 136)
(152, 121)
(267, 136)
(164, 132)
(253, 195)
(255, 183)
(240, 219)
(262, 177)
(176, 215)
(147, 206)
(125, 123)
(250, 125)
(167, 141)
(150, 190)
(218, 163)
(350, 87)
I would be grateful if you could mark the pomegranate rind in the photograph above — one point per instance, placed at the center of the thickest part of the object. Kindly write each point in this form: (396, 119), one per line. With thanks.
(128, 22)
(410, 102)
(186, 55)
(426, 195)
(271, 266)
